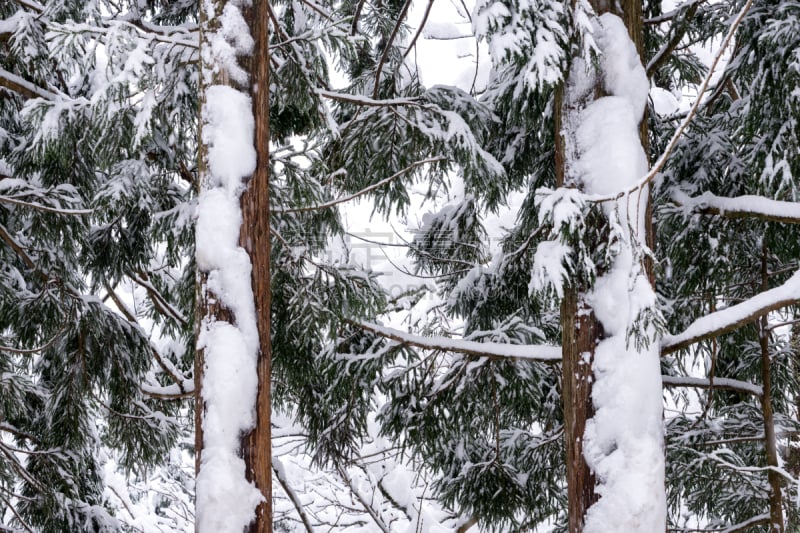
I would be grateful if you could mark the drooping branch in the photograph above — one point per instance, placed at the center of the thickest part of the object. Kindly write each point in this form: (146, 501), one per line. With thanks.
(726, 320)
(159, 301)
(746, 206)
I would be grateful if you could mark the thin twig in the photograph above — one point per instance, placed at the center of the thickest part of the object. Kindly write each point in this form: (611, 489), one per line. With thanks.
(419, 30)
(362, 191)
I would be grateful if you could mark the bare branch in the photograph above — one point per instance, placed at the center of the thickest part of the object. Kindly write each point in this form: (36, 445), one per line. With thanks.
(280, 475)
(518, 352)
(362, 191)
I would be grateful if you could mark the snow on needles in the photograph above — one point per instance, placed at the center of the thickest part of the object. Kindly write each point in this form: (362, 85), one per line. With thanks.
(226, 501)
(623, 442)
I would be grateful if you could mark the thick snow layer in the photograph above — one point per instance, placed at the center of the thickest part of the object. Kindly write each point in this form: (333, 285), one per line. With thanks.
(623, 442)
(228, 133)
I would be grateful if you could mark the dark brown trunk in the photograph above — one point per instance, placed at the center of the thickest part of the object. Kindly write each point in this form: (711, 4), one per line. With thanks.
(255, 239)
(776, 524)
(579, 337)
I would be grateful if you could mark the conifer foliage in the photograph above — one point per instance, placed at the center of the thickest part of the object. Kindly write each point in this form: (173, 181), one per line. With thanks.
(569, 130)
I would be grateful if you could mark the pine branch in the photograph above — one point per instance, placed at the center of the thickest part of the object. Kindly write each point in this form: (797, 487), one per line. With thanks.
(736, 528)
(23, 87)
(31, 4)
(365, 100)
(663, 55)
(356, 15)
(32, 351)
(666, 17)
(388, 48)
(731, 318)
(39, 207)
(419, 30)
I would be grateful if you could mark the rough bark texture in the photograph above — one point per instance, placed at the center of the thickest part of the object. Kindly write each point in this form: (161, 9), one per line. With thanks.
(579, 336)
(255, 239)
(776, 524)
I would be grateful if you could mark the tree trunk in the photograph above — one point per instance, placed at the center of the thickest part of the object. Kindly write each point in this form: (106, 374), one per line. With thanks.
(581, 331)
(579, 334)
(254, 238)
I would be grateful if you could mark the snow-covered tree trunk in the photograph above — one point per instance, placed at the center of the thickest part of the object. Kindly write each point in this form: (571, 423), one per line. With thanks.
(233, 357)
(611, 374)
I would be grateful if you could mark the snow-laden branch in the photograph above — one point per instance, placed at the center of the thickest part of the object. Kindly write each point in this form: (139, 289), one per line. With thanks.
(23, 87)
(523, 352)
(730, 318)
(280, 475)
(718, 383)
(365, 100)
(746, 206)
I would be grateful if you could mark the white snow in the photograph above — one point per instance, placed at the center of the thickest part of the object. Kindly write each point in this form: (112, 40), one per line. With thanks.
(748, 203)
(623, 441)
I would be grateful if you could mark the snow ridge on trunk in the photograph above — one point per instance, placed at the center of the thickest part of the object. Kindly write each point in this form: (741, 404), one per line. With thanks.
(623, 442)
(226, 500)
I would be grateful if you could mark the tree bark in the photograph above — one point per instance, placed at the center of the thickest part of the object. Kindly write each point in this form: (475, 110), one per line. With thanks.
(255, 239)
